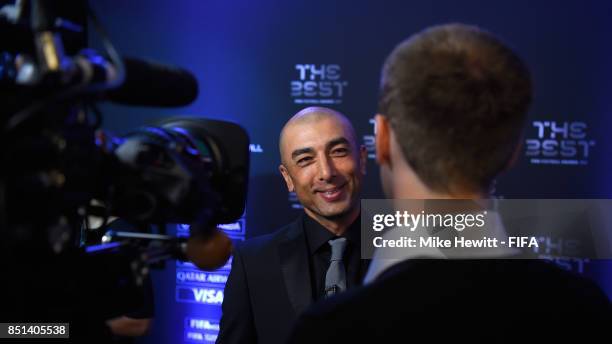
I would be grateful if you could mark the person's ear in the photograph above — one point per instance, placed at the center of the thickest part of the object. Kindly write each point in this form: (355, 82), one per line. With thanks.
(515, 155)
(383, 137)
(283, 170)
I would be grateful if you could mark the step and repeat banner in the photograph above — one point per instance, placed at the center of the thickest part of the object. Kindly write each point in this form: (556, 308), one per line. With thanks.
(259, 62)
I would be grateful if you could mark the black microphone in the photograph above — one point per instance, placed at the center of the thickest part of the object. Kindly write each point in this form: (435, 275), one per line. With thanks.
(145, 83)
(209, 252)
(152, 84)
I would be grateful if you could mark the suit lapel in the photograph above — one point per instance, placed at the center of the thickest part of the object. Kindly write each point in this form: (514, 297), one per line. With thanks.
(293, 254)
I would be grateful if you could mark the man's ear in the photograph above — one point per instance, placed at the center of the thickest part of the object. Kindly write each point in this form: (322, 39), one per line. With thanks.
(383, 136)
(283, 170)
(515, 155)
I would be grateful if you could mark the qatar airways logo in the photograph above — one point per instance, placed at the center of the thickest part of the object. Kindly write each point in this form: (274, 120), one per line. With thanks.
(318, 84)
(198, 277)
(559, 143)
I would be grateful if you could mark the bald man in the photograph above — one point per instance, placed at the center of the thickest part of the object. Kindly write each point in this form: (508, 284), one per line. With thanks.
(276, 276)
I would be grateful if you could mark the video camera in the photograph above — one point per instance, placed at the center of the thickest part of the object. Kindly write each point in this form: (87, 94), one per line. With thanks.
(59, 169)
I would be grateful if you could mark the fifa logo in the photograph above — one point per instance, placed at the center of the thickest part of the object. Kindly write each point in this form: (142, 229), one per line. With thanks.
(559, 143)
(318, 84)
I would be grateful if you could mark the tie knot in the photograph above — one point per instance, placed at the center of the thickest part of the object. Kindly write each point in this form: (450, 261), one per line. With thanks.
(337, 248)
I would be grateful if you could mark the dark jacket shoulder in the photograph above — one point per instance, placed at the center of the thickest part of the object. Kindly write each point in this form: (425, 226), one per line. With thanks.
(267, 242)
(499, 296)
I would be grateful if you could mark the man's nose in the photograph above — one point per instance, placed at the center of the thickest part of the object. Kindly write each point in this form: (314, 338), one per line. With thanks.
(327, 170)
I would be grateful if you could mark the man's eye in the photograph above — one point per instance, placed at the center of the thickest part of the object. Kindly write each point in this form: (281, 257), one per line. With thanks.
(304, 160)
(340, 152)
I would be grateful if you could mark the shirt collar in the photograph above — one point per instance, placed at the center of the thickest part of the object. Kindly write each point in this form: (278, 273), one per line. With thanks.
(317, 236)
(495, 229)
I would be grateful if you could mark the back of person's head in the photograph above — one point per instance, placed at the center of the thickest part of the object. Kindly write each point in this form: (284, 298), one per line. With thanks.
(456, 98)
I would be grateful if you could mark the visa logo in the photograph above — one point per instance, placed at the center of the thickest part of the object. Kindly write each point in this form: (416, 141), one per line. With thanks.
(209, 296)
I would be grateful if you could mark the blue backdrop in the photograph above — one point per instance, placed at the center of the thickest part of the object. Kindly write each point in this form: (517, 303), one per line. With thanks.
(259, 62)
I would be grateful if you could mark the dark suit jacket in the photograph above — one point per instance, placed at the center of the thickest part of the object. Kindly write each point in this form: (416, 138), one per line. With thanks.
(478, 300)
(268, 287)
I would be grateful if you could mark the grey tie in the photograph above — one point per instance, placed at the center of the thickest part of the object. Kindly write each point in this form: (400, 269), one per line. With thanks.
(335, 278)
